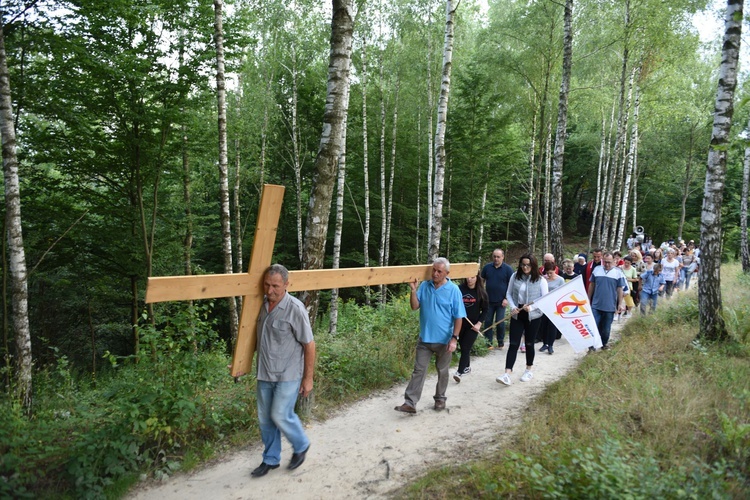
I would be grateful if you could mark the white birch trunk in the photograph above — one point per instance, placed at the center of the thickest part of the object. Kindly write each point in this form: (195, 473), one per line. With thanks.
(623, 165)
(480, 249)
(635, 184)
(237, 212)
(630, 168)
(419, 189)
(226, 233)
(333, 314)
(547, 187)
(383, 194)
(365, 165)
(331, 145)
(14, 232)
(442, 123)
(599, 175)
(296, 157)
(430, 145)
(562, 124)
(530, 232)
(389, 216)
(712, 325)
(744, 250)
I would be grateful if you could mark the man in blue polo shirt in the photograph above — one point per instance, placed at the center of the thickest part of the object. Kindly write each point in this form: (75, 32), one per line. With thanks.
(606, 295)
(441, 312)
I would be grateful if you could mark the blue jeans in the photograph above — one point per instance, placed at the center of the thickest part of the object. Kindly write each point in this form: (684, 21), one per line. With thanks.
(687, 273)
(276, 416)
(651, 298)
(495, 313)
(603, 321)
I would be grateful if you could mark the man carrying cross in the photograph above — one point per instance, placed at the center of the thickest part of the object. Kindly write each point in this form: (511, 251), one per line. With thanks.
(441, 312)
(286, 361)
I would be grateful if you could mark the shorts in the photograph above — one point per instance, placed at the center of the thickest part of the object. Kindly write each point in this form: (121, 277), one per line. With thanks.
(629, 301)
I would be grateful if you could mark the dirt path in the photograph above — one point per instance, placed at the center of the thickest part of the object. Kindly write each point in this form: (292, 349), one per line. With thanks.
(367, 450)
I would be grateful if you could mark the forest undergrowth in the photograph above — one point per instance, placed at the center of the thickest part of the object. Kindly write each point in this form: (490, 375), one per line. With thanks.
(661, 415)
(177, 406)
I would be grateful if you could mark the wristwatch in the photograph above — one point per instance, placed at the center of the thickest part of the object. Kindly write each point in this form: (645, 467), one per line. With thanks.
(456, 337)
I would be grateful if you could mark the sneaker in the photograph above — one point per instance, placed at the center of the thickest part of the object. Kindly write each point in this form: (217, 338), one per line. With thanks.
(467, 370)
(500, 346)
(523, 347)
(550, 350)
(592, 348)
(489, 348)
(457, 377)
(527, 375)
(504, 379)
(543, 348)
(605, 348)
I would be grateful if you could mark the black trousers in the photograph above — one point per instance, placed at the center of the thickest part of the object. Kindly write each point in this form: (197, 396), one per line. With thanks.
(522, 326)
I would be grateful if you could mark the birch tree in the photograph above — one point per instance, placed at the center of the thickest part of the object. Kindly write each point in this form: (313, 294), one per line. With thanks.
(13, 227)
(744, 251)
(333, 313)
(599, 176)
(221, 102)
(331, 144)
(562, 124)
(530, 214)
(712, 325)
(365, 165)
(442, 122)
(630, 167)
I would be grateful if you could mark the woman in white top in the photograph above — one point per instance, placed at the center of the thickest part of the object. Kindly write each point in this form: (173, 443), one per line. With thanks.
(525, 286)
(670, 267)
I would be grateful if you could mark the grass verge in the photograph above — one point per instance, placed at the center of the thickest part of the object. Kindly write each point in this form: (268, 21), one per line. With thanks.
(659, 416)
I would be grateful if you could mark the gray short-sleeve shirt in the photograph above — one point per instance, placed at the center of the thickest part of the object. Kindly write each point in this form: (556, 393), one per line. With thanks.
(281, 336)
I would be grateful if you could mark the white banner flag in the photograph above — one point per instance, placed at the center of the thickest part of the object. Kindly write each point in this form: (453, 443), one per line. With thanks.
(569, 310)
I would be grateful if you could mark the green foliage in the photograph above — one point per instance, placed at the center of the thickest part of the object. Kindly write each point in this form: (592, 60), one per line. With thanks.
(176, 403)
(373, 347)
(614, 469)
(138, 416)
(665, 416)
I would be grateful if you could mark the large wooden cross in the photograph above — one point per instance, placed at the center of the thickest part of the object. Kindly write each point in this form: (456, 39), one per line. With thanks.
(250, 285)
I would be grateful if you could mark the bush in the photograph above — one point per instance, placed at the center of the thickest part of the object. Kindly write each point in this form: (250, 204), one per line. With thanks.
(86, 436)
(611, 469)
(373, 347)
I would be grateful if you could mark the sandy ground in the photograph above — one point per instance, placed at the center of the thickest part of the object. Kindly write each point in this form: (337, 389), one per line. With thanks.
(368, 450)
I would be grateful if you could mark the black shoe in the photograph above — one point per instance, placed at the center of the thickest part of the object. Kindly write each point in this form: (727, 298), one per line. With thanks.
(543, 348)
(550, 350)
(592, 348)
(263, 469)
(297, 459)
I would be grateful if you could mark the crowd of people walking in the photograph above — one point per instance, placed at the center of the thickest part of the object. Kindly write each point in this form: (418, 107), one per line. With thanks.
(457, 315)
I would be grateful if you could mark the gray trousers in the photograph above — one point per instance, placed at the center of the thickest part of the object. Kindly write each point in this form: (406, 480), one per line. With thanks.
(418, 376)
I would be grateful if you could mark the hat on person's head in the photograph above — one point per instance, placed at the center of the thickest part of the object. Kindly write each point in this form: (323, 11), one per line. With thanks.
(582, 256)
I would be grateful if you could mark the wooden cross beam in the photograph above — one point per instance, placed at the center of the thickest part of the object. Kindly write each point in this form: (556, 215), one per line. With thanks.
(250, 285)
